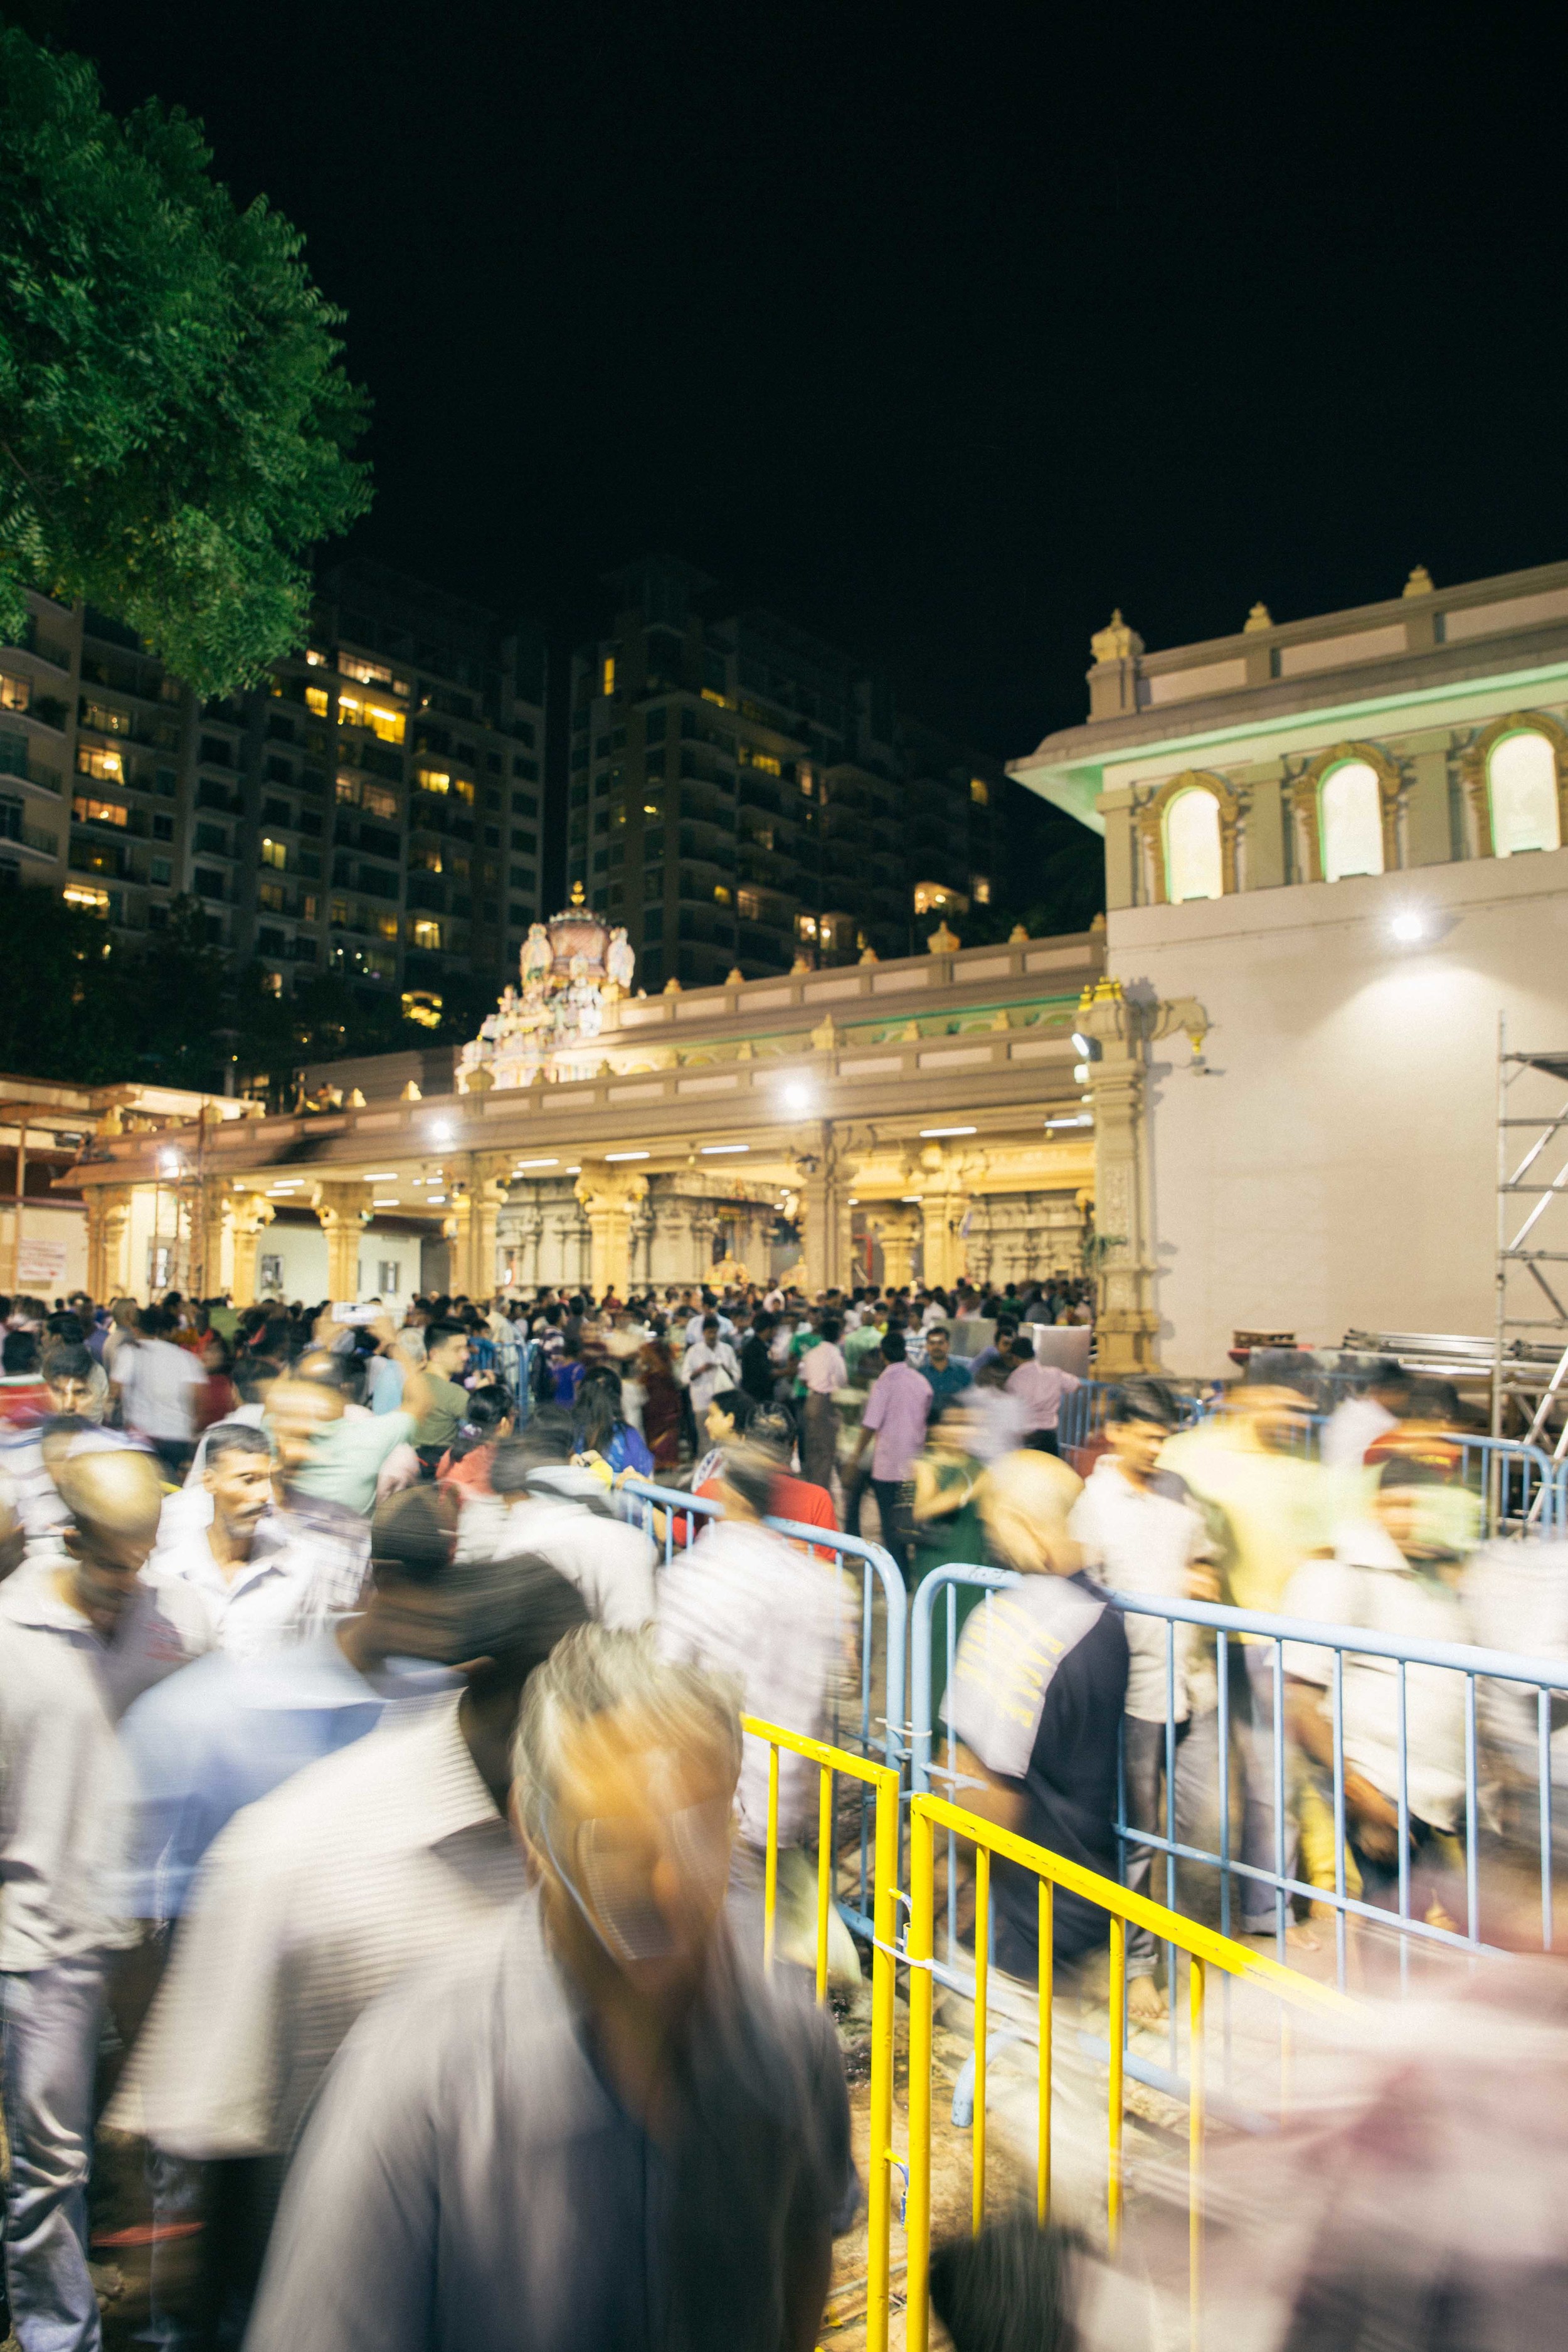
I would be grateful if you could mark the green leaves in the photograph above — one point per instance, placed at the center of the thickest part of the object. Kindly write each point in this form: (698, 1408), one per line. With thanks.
(175, 422)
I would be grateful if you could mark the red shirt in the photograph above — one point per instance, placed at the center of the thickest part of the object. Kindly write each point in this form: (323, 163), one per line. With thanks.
(793, 1498)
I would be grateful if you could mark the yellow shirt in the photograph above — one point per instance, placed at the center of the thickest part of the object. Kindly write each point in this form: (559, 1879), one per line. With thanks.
(1274, 1510)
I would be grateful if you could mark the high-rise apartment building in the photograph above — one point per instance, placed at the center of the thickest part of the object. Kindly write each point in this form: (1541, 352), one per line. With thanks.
(740, 794)
(374, 811)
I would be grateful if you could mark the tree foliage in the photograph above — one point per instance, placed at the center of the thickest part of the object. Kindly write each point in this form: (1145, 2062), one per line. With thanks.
(175, 421)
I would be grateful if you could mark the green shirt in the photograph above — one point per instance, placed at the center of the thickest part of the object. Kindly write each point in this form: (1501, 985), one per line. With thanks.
(345, 1459)
(449, 1406)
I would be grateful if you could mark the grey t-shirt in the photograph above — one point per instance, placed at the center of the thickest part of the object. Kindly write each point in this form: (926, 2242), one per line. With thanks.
(470, 2178)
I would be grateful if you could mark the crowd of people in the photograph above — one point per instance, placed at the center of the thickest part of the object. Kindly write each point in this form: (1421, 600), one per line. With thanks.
(380, 1853)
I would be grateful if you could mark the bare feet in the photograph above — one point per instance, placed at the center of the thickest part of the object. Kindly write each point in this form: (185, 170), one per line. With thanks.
(1145, 2002)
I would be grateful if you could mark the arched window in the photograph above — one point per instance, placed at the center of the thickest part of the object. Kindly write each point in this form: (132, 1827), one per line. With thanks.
(1194, 866)
(1521, 783)
(1350, 813)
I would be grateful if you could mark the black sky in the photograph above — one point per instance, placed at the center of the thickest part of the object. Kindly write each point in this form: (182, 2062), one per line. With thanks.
(939, 331)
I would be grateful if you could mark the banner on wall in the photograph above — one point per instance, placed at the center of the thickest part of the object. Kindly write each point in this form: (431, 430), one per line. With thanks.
(40, 1265)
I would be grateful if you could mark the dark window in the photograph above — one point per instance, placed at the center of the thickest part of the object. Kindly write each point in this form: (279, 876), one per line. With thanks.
(653, 882)
(279, 771)
(216, 753)
(492, 836)
(653, 924)
(277, 811)
(211, 837)
(162, 828)
(167, 783)
(527, 769)
(525, 805)
(208, 884)
(518, 916)
(525, 843)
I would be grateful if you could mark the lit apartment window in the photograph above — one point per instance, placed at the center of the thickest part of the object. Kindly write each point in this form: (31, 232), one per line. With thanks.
(1522, 777)
(979, 890)
(607, 679)
(108, 767)
(426, 935)
(805, 925)
(980, 791)
(94, 812)
(370, 673)
(271, 896)
(386, 925)
(722, 892)
(1193, 866)
(316, 700)
(316, 660)
(15, 693)
(85, 901)
(750, 905)
(274, 853)
(1350, 809)
(104, 721)
(357, 711)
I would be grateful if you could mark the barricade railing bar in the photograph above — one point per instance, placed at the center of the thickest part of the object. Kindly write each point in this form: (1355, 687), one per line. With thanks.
(1205, 1950)
(882, 1780)
(1235, 1633)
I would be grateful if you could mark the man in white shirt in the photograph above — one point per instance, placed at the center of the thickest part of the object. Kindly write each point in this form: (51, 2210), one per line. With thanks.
(709, 1365)
(1140, 1534)
(823, 1372)
(264, 1577)
(542, 1505)
(79, 1639)
(157, 1384)
(1395, 1573)
(1358, 1422)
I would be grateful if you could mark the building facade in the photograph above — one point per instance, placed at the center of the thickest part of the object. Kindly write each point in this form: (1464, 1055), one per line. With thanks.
(375, 811)
(922, 1117)
(742, 795)
(1334, 855)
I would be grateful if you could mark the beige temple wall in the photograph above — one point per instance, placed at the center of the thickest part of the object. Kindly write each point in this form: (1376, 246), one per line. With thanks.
(1337, 1167)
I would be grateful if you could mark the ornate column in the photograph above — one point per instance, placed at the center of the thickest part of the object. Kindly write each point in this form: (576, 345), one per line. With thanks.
(609, 1196)
(642, 1243)
(1128, 1319)
(530, 1231)
(897, 1227)
(210, 1224)
(342, 1214)
(944, 1186)
(823, 1192)
(670, 1244)
(108, 1224)
(486, 1193)
(251, 1213)
(704, 1225)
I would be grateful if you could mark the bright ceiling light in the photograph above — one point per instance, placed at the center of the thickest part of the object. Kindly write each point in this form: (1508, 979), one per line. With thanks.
(713, 1151)
(796, 1097)
(946, 1130)
(1081, 1042)
(519, 1165)
(628, 1155)
(1409, 929)
(383, 1176)
(1082, 1119)
(442, 1130)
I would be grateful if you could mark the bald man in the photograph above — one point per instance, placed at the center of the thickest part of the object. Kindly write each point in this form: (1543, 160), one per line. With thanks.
(79, 1639)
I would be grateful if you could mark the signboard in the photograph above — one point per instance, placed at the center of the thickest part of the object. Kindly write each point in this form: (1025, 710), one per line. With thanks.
(41, 1265)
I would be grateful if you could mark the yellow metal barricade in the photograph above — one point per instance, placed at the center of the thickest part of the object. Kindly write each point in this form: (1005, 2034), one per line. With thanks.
(884, 1782)
(1205, 1948)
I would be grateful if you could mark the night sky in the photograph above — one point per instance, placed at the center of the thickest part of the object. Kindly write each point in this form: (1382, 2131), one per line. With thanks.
(938, 331)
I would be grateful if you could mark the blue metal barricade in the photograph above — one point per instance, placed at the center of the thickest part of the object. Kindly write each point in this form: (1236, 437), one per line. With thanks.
(1505, 1680)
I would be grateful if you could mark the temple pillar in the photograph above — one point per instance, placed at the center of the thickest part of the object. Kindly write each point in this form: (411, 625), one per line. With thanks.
(897, 1228)
(824, 1197)
(342, 1214)
(108, 1225)
(1127, 1321)
(609, 1196)
(529, 1232)
(485, 1196)
(251, 1213)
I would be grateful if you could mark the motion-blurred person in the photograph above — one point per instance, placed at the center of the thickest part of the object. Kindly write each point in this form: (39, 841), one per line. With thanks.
(744, 1602)
(336, 1885)
(266, 1576)
(23, 1393)
(1395, 1573)
(725, 1422)
(895, 1418)
(1360, 1419)
(327, 1452)
(708, 1366)
(546, 1505)
(157, 1383)
(822, 1372)
(655, 1374)
(602, 1429)
(444, 1399)
(1036, 1700)
(488, 1416)
(1268, 1510)
(1041, 1391)
(1139, 1535)
(943, 1373)
(79, 1639)
(602, 2127)
(948, 1523)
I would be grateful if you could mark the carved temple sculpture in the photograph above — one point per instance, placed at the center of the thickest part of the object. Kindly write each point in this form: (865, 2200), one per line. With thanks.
(574, 970)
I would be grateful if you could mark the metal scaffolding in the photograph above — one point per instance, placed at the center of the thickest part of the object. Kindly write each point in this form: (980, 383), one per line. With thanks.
(1531, 1361)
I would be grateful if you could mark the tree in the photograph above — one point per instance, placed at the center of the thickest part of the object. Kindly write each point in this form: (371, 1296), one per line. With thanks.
(175, 421)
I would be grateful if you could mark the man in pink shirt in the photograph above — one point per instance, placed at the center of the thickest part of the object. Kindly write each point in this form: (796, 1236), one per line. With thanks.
(895, 1415)
(1039, 1389)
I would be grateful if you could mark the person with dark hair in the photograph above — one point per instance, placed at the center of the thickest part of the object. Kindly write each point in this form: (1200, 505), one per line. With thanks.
(603, 1430)
(327, 1454)
(24, 1393)
(490, 1415)
(342, 1880)
(725, 1422)
(1017, 2287)
(266, 1576)
(1141, 1534)
(654, 1371)
(897, 1410)
(757, 1375)
(708, 1366)
(157, 1383)
(447, 1350)
(821, 1372)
